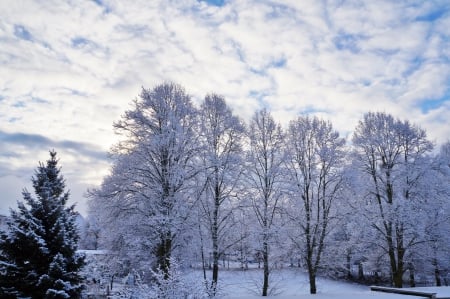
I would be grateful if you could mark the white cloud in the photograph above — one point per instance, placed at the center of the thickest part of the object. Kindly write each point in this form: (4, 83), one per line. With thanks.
(69, 69)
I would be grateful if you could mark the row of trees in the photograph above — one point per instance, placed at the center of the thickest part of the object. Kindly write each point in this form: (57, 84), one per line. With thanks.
(187, 182)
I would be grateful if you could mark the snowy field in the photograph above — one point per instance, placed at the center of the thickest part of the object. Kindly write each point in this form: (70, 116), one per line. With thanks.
(284, 284)
(293, 284)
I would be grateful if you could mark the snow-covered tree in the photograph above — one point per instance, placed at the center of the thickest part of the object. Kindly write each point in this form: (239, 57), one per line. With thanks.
(38, 256)
(432, 255)
(90, 233)
(352, 252)
(177, 286)
(147, 195)
(390, 154)
(264, 173)
(315, 156)
(124, 229)
(221, 136)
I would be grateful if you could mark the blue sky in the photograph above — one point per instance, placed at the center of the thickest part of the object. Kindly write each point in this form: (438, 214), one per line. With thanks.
(69, 69)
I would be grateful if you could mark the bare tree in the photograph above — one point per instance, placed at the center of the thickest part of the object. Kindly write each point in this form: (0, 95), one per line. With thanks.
(314, 163)
(148, 189)
(221, 135)
(264, 175)
(389, 152)
(435, 190)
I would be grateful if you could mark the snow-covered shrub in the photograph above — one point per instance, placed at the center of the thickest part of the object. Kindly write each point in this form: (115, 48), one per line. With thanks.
(175, 285)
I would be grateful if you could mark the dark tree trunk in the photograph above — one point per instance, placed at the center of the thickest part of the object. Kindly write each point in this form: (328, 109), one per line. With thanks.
(398, 274)
(349, 265)
(215, 253)
(202, 255)
(312, 281)
(163, 254)
(266, 268)
(437, 274)
(215, 273)
(360, 271)
(397, 278)
(311, 270)
(396, 252)
(412, 280)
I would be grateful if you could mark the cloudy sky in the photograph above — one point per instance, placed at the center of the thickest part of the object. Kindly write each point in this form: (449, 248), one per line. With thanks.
(69, 69)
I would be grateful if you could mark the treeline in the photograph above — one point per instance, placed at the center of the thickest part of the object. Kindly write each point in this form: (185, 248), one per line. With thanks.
(192, 183)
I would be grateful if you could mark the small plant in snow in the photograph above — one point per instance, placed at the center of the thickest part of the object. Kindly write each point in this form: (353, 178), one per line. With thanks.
(173, 285)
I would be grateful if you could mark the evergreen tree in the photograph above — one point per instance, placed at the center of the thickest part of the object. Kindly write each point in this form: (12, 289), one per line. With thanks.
(38, 256)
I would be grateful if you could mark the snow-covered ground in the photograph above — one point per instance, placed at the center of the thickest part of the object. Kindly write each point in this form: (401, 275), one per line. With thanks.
(287, 283)
(293, 284)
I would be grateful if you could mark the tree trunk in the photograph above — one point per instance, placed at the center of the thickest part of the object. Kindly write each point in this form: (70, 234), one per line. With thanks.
(397, 278)
(215, 276)
(398, 275)
(266, 268)
(311, 270)
(215, 253)
(412, 281)
(202, 251)
(215, 271)
(360, 271)
(437, 274)
(348, 265)
(111, 282)
(215, 232)
(163, 253)
(396, 253)
(312, 281)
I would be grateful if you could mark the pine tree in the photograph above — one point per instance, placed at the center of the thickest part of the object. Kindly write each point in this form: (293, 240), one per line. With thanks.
(38, 256)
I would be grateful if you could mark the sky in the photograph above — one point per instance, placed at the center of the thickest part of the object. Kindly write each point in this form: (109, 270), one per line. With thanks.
(69, 69)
